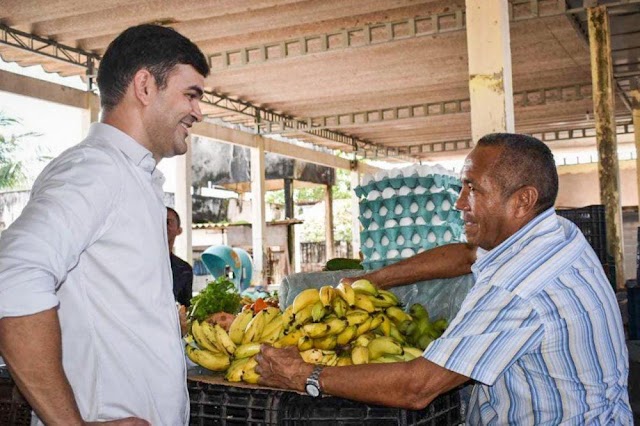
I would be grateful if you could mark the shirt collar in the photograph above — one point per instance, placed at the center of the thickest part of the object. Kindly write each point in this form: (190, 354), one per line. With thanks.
(540, 224)
(137, 153)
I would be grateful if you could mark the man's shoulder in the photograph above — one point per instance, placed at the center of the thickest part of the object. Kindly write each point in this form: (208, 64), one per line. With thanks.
(179, 263)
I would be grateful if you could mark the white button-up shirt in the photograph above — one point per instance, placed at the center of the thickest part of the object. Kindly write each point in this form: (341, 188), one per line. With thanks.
(92, 240)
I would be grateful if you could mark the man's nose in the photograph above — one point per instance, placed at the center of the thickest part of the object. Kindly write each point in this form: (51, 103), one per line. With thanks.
(196, 112)
(461, 202)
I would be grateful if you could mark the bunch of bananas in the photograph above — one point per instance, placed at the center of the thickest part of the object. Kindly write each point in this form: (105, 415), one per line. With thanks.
(336, 326)
(421, 331)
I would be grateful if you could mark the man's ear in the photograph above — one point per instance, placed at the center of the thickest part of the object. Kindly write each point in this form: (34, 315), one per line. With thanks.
(525, 201)
(144, 86)
(179, 230)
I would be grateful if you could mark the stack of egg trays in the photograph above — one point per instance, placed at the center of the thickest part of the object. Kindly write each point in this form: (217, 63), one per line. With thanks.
(394, 237)
(411, 182)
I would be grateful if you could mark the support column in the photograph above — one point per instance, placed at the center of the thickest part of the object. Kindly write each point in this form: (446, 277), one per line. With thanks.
(259, 225)
(92, 112)
(635, 106)
(328, 223)
(355, 211)
(604, 112)
(289, 214)
(183, 204)
(489, 52)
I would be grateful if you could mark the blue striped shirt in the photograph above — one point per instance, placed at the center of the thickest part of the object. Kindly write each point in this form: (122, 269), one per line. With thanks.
(540, 332)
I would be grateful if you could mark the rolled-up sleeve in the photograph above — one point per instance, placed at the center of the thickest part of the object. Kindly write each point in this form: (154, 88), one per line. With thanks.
(68, 209)
(493, 329)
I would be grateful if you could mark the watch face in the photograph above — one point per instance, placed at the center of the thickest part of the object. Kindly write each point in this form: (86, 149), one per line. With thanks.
(313, 390)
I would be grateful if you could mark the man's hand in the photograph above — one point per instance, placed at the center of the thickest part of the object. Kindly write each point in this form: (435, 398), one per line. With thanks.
(282, 368)
(182, 314)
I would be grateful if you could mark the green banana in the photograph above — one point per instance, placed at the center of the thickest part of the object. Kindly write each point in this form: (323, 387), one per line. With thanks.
(318, 311)
(340, 307)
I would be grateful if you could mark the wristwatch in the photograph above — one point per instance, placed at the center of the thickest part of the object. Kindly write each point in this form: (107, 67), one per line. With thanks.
(313, 382)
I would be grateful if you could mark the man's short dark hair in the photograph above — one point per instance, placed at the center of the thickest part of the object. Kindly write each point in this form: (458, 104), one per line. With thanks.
(169, 209)
(524, 161)
(155, 48)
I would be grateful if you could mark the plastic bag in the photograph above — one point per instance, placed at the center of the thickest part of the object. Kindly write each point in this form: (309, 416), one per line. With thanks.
(441, 297)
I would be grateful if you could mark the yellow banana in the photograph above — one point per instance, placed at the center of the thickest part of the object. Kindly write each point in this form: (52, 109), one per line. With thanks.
(236, 370)
(360, 355)
(346, 335)
(326, 294)
(250, 376)
(363, 301)
(336, 325)
(201, 338)
(384, 300)
(365, 286)
(395, 333)
(273, 330)
(316, 329)
(340, 307)
(318, 311)
(312, 356)
(385, 325)
(247, 350)
(327, 343)
(364, 327)
(347, 293)
(223, 339)
(383, 346)
(364, 339)
(305, 298)
(239, 324)
(389, 295)
(209, 360)
(397, 315)
(254, 329)
(413, 352)
(287, 317)
(376, 320)
(386, 359)
(289, 339)
(344, 360)
(303, 316)
(305, 343)
(357, 316)
(329, 358)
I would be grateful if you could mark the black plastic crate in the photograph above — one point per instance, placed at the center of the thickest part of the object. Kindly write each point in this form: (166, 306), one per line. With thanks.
(304, 410)
(590, 220)
(14, 409)
(213, 404)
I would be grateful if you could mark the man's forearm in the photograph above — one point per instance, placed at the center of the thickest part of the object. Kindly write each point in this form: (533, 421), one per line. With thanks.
(448, 261)
(31, 347)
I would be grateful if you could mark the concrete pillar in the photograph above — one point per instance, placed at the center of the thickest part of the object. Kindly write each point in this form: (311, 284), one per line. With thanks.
(183, 204)
(259, 225)
(355, 212)
(635, 105)
(328, 223)
(489, 52)
(604, 112)
(289, 214)
(92, 112)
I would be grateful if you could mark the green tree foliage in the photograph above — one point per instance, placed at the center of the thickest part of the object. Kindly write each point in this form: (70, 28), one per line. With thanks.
(12, 168)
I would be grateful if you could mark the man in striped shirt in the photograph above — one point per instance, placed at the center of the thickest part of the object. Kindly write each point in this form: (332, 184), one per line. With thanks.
(540, 332)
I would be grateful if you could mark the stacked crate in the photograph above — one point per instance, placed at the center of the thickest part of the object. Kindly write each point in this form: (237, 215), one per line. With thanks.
(407, 211)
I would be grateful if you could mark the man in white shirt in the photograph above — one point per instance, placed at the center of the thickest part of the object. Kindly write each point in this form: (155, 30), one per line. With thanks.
(88, 323)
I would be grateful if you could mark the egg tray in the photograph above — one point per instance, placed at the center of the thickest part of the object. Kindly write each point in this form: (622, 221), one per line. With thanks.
(411, 182)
